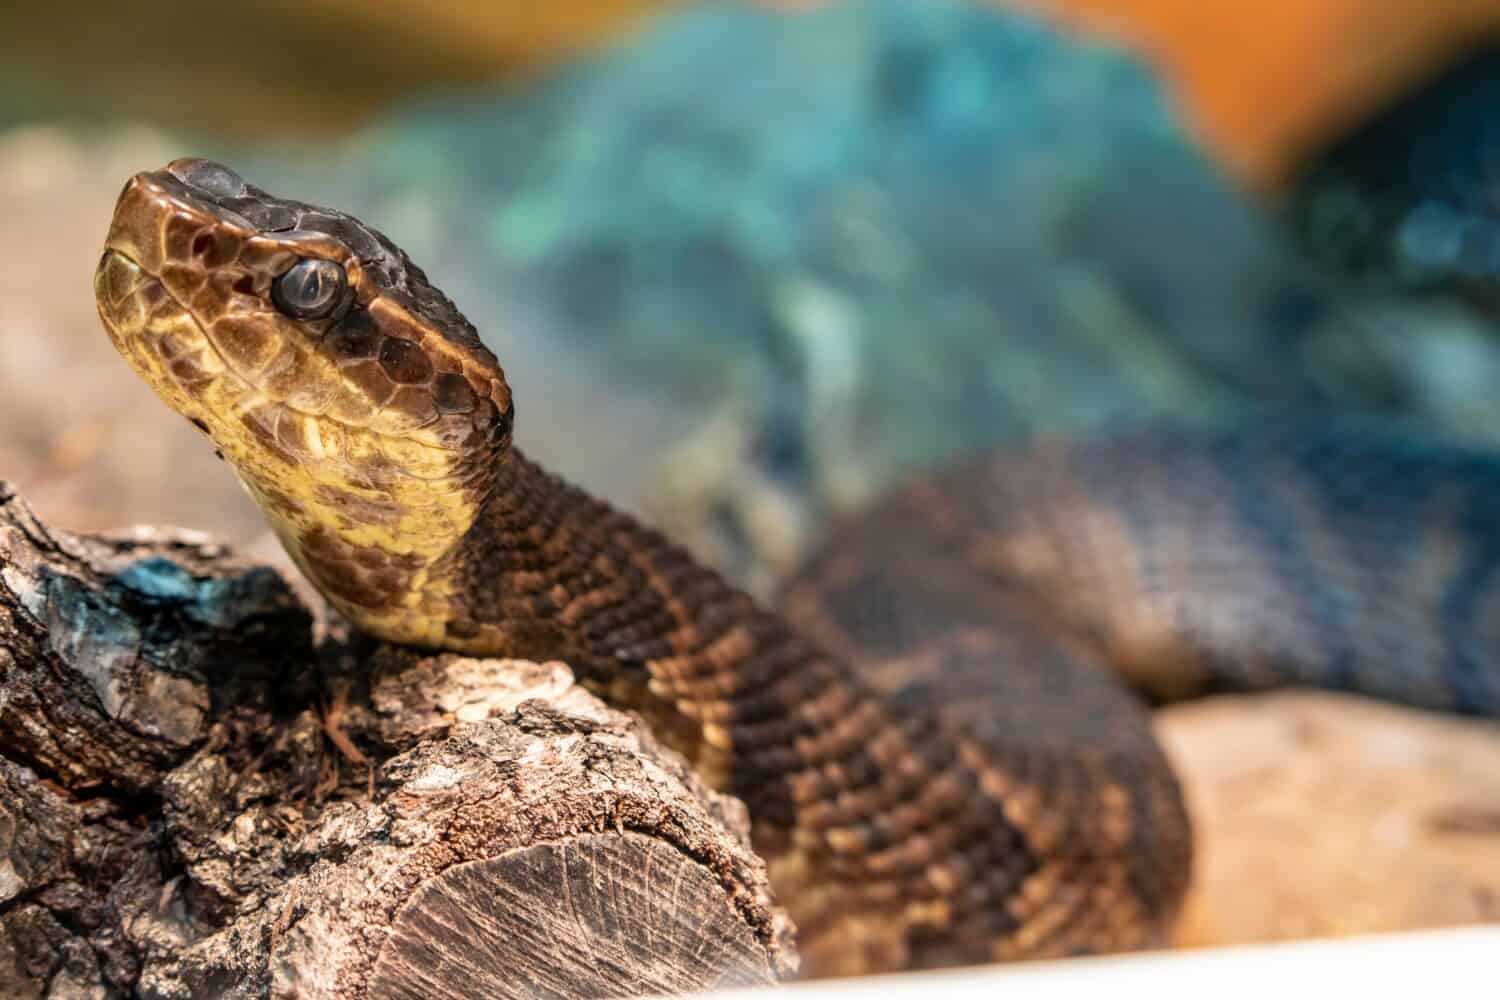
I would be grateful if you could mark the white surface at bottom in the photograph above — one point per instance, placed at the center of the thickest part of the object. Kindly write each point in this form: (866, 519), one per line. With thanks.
(1435, 965)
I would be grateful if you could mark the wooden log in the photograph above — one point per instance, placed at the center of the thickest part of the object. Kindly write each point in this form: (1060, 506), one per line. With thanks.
(203, 794)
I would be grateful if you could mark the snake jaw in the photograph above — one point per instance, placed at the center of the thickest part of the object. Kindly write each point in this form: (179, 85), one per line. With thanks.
(366, 435)
(153, 332)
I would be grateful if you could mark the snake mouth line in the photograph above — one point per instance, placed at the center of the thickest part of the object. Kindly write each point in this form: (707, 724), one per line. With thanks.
(250, 394)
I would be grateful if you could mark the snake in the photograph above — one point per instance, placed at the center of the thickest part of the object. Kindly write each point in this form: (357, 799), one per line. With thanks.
(943, 735)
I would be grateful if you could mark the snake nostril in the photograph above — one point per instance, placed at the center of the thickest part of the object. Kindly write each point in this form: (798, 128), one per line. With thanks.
(202, 244)
(244, 284)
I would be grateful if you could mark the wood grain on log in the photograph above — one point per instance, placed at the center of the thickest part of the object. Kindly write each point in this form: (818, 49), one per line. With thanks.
(633, 898)
(198, 800)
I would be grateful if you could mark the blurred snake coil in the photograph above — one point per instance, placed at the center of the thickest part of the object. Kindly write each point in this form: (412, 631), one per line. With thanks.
(944, 739)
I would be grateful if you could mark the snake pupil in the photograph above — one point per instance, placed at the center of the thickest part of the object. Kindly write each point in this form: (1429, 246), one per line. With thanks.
(311, 289)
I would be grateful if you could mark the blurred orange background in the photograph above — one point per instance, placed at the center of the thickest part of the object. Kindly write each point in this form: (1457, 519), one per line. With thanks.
(1265, 83)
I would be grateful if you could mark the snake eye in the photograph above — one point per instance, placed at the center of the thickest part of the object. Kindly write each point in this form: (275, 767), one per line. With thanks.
(312, 289)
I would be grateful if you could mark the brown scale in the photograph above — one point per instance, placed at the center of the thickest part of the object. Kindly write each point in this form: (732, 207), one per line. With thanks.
(937, 742)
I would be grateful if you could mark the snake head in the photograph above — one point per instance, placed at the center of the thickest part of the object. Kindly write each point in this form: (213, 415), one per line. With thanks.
(354, 401)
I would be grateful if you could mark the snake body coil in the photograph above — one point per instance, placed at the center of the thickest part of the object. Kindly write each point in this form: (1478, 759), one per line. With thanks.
(940, 748)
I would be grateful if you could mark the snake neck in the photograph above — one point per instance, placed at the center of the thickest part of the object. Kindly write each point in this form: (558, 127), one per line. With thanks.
(862, 806)
(549, 571)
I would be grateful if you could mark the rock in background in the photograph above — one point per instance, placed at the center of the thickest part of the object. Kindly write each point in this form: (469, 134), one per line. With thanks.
(1321, 815)
(801, 255)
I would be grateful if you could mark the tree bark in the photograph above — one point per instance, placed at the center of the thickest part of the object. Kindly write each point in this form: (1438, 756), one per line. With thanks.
(205, 792)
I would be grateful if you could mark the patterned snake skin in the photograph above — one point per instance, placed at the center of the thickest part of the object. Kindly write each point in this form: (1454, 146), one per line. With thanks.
(939, 744)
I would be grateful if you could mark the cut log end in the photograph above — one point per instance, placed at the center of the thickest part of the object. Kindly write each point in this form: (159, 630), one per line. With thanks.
(589, 916)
